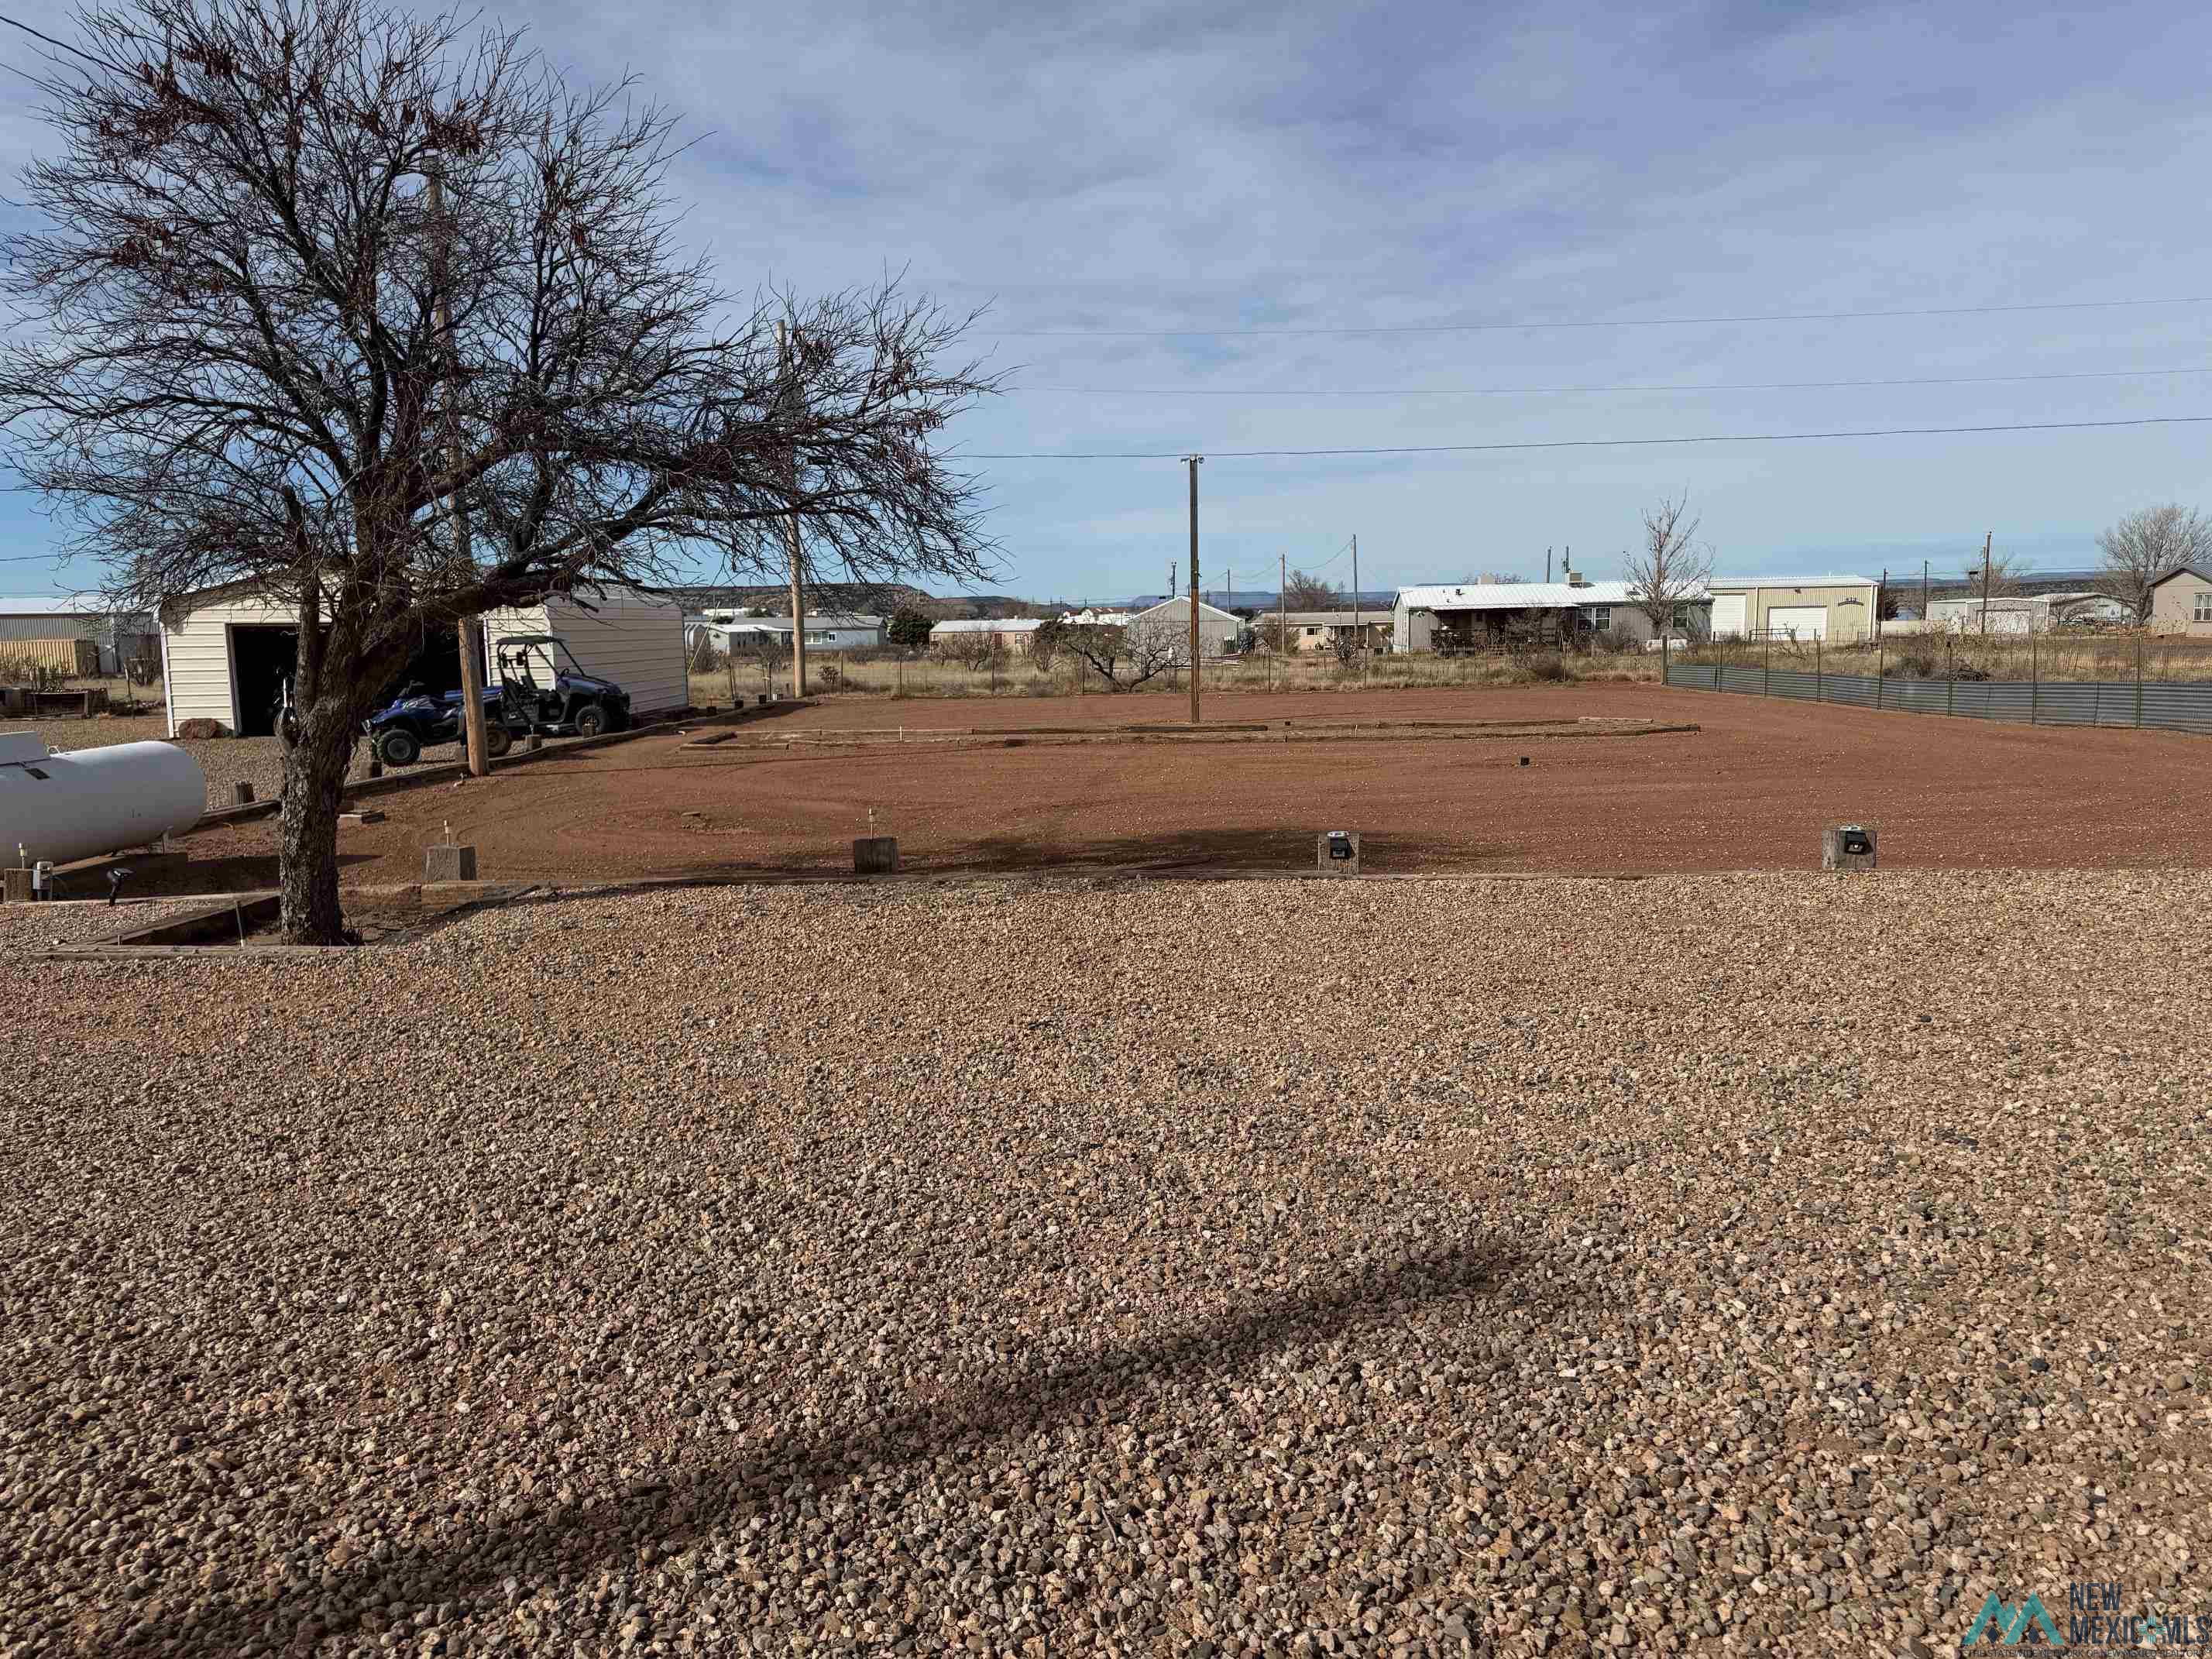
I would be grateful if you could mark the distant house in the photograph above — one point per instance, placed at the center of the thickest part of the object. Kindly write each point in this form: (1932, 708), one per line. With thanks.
(1495, 616)
(1168, 625)
(2031, 613)
(2181, 603)
(77, 637)
(1324, 631)
(828, 630)
(1008, 636)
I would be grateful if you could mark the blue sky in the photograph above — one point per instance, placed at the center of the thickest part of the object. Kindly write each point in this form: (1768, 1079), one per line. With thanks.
(1083, 170)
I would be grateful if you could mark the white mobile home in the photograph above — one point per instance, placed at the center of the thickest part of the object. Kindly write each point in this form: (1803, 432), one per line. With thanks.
(225, 652)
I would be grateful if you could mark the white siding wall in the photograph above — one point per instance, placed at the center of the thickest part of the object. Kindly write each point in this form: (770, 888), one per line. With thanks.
(195, 653)
(634, 641)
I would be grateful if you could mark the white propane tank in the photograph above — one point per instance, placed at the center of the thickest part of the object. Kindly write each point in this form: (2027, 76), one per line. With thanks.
(79, 804)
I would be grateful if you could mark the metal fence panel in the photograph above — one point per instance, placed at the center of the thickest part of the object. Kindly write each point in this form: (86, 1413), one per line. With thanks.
(2177, 706)
(2167, 705)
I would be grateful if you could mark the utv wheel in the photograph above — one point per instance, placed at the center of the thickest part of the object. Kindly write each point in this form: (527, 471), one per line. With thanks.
(398, 747)
(591, 721)
(497, 740)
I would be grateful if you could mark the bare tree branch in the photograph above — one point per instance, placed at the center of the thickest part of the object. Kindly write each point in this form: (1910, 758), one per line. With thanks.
(1672, 567)
(233, 369)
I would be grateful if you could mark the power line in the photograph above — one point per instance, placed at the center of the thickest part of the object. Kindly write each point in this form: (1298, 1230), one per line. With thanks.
(1550, 391)
(1614, 322)
(1602, 443)
(40, 34)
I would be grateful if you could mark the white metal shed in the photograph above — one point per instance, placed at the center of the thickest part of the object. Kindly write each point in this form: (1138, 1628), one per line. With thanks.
(631, 638)
(221, 656)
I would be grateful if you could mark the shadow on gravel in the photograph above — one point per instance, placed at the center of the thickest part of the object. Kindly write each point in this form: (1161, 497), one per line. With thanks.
(673, 1512)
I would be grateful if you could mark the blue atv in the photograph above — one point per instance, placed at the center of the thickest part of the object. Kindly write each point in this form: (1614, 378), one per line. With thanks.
(415, 720)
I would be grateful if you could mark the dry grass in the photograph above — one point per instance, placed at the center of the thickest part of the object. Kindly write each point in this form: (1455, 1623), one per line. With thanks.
(830, 673)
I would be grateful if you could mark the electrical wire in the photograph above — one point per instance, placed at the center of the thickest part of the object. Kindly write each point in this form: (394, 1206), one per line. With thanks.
(1560, 391)
(1616, 322)
(1591, 443)
(41, 35)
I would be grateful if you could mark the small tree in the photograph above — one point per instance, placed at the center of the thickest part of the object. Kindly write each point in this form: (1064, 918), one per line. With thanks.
(2147, 544)
(909, 629)
(390, 328)
(1672, 569)
(1105, 646)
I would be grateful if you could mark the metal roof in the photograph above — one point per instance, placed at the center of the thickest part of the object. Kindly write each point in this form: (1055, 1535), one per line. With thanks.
(1346, 618)
(1514, 596)
(82, 604)
(989, 625)
(1180, 606)
(1834, 578)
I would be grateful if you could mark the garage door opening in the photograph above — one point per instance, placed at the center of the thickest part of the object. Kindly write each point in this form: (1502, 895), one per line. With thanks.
(262, 656)
(1797, 621)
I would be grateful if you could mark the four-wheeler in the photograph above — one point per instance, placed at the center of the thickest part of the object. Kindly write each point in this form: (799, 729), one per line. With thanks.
(546, 689)
(415, 720)
(539, 687)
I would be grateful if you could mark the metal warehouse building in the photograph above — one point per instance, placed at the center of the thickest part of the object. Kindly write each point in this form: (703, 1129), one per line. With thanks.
(73, 636)
(225, 652)
(1839, 609)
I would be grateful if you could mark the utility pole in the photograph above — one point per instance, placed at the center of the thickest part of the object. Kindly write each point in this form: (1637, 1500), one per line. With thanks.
(1923, 596)
(471, 628)
(1194, 462)
(1359, 634)
(1282, 609)
(1547, 566)
(1987, 536)
(791, 540)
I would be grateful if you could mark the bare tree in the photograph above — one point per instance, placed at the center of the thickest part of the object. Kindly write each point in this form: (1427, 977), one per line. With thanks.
(390, 327)
(1105, 646)
(1302, 591)
(2147, 544)
(1494, 578)
(1672, 567)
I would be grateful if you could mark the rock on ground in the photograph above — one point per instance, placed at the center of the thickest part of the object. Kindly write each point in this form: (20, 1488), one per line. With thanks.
(1761, 1265)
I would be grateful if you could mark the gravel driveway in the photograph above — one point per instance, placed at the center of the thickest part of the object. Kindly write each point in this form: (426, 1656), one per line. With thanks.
(226, 761)
(1759, 1265)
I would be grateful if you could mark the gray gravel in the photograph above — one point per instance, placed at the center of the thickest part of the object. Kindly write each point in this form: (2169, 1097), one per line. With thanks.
(226, 761)
(1771, 1265)
(35, 926)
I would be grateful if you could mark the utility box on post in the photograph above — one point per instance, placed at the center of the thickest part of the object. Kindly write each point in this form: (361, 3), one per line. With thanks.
(1336, 852)
(1847, 847)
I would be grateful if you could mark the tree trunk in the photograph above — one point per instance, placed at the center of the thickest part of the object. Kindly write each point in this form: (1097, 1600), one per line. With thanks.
(314, 773)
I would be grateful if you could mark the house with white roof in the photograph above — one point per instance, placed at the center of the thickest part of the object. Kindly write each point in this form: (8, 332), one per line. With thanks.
(1494, 615)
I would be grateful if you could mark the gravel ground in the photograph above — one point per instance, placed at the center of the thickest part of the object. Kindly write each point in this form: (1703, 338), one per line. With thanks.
(1769, 1265)
(226, 761)
(35, 926)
